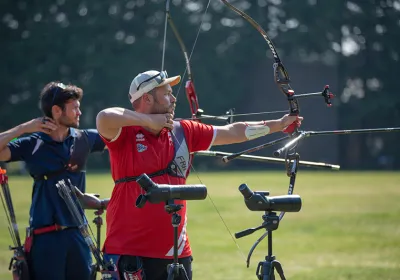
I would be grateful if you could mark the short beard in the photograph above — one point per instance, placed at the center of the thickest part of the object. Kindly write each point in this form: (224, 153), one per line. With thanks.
(157, 108)
(64, 121)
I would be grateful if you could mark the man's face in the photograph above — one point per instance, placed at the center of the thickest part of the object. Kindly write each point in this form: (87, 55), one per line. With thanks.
(70, 114)
(164, 101)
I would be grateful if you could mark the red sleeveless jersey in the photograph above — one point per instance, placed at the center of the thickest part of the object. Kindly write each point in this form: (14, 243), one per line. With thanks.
(147, 231)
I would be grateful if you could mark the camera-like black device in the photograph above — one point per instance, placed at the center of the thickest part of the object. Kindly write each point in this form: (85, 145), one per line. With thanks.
(259, 201)
(156, 193)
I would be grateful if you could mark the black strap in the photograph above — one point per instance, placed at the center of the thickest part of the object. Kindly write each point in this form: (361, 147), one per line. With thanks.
(49, 175)
(134, 178)
(77, 161)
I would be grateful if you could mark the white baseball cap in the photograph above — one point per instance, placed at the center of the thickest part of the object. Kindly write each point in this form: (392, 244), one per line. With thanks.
(146, 81)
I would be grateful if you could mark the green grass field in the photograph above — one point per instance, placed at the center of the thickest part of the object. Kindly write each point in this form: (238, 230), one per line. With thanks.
(348, 227)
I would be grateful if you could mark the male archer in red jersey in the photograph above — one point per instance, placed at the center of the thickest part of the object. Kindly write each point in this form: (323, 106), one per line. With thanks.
(147, 140)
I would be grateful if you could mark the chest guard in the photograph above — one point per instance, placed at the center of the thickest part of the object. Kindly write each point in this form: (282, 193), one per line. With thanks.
(80, 151)
(179, 166)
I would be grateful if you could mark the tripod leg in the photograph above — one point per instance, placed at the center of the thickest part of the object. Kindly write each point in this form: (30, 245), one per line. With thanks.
(265, 270)
(279, 269)
(271, 275)
(182, 273)
(171, 274)
(177, 271)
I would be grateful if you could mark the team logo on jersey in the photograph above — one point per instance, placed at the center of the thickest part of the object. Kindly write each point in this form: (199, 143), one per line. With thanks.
(141, 147)
(140, 137)
(39, 142)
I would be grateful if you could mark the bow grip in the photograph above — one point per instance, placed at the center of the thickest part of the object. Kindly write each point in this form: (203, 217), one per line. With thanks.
(292, 127)
(327, 96)
(293, 112)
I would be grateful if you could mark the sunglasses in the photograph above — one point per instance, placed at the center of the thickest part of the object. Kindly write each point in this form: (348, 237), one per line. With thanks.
(163, 75)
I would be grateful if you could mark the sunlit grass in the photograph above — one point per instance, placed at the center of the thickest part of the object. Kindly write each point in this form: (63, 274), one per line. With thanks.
(348, 227)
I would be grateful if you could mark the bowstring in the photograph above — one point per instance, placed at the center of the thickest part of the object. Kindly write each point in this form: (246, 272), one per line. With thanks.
(176, 97)
(194, 45)
(165, 35)
(237, 115)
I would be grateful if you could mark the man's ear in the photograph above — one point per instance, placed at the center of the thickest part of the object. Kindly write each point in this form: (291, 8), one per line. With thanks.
(148, 98)
(56, 111)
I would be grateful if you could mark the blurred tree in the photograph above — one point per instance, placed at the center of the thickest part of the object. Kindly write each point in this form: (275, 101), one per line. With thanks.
(101, 46)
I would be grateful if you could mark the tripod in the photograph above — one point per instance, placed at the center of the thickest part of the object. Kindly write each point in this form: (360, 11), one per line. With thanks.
(265, 269)
(175, 270)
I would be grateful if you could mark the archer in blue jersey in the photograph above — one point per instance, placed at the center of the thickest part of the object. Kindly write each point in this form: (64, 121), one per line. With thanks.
(55, 149)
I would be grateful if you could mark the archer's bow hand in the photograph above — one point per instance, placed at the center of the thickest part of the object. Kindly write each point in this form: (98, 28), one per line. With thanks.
(289, 123)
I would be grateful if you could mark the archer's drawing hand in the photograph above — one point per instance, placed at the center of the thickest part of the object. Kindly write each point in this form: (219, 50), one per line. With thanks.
(159, 121)
(42, 124)
(287, 120)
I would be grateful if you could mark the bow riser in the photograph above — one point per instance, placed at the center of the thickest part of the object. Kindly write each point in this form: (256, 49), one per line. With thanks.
(192, 98)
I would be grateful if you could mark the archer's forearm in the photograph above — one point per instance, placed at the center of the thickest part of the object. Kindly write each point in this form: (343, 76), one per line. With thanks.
(274, 125)
(8, 135)
(89, 201)
(116, 117)
(5, 138)
(244, 131)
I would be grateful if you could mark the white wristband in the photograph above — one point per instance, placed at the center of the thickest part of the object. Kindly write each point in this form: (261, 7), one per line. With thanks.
(256, 131)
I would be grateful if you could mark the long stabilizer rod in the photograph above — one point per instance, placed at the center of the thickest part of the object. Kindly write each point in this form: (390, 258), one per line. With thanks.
(305, 134)
(351, 131)
(269, 159)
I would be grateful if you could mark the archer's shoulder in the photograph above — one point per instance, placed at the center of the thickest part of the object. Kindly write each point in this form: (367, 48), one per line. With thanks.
(26, 140)
(33, 137)
(88, 131)
(192, 125)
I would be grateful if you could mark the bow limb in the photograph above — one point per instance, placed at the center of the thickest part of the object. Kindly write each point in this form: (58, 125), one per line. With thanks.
(280, 74)
(197, 113)
(192, 98)
(189, 86)
(282, 80)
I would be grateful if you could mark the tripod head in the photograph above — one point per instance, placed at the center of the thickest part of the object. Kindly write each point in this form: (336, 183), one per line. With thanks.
(259, 201)
(170, 207)
(270, 223)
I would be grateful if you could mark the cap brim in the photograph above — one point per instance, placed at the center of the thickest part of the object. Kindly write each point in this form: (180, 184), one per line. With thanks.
(173, 81)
